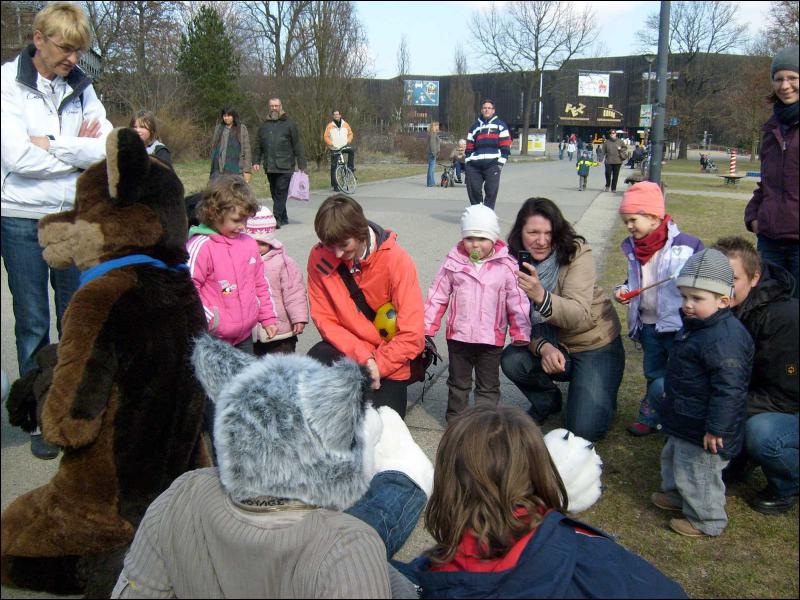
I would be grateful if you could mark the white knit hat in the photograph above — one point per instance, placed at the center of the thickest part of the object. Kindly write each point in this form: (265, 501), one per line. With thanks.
(480, 221)
(262, 225)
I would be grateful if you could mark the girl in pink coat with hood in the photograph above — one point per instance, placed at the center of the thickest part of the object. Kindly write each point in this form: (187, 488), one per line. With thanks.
(225, 264)
(286, 284)
(478, 280)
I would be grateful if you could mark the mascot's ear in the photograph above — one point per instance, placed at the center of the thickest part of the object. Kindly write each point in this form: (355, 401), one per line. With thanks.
(217, 363)
(128, 164)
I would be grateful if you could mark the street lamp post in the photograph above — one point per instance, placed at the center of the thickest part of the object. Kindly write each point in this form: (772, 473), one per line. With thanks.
(649, 58)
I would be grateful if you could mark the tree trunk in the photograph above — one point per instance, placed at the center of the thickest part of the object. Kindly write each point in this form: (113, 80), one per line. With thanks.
(526, 116)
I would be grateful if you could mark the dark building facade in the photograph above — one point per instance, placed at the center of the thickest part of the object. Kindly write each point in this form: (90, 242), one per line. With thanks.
(564, 111)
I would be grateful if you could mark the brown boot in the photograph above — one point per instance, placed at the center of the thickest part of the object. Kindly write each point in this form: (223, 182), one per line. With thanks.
(685, 528)
(667, 501)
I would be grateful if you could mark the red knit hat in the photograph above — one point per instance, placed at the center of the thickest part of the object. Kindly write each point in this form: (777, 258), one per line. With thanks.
(261, 226)
(643, 198)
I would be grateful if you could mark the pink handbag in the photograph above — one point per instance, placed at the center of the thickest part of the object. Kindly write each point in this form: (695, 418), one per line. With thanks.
(299, 188)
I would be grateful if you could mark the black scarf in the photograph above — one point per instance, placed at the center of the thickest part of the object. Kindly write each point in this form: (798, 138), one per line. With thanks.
(787, 113)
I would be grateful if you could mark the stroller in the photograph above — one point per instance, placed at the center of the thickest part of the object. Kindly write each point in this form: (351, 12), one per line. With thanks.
(707, 165)
(448, 178)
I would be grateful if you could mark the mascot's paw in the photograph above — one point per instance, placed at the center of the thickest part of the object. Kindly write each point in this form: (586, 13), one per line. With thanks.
(27, 393)
(397, 451)
(579, 466)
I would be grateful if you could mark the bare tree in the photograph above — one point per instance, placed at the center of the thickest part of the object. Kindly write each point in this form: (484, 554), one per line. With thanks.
(327, 73)
(461, 98)
(699, 32)
(277, 31)
(782, 29)
(527, 37)
(745, 105)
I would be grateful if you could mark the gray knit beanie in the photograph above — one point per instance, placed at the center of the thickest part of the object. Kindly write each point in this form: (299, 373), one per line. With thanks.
(707, 270)
(786, 60)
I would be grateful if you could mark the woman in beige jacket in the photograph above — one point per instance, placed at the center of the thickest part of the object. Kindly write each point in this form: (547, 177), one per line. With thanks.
(575, 333)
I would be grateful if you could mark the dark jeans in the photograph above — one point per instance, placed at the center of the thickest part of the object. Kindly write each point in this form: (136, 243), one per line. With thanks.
(351, 162)
(465, 357)
(392, 506)
(393, 394)
(771, 441)
(483, 179)
(785, 253)
(286, 346)
(279, 189)
(582, 179)
(612, 174)
(656, 347)
(594, 376)
(459, 167)
(28, 274)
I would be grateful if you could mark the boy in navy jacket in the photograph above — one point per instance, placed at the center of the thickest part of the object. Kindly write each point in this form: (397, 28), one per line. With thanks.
(705, 401)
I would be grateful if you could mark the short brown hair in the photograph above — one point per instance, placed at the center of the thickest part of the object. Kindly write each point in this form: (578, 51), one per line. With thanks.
(65, 20)
(225, 194)
(340, 218)
(735, 246)
(491, 461)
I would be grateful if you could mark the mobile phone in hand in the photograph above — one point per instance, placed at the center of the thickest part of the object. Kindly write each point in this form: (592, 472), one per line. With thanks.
(523, 256)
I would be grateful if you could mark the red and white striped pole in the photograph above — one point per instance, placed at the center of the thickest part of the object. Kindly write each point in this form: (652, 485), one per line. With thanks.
(732, 169)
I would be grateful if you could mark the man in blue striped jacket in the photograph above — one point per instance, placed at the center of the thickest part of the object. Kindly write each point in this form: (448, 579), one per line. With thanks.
(488, 144)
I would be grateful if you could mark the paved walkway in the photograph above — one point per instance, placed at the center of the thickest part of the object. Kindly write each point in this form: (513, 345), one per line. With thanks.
(427, 222)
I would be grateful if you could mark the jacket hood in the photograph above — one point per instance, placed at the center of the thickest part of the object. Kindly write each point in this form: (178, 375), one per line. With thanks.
(201, 229)
(27, 75)
(775, 284)
(288, 426)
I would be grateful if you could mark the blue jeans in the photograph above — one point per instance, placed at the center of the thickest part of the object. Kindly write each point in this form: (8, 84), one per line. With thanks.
(392, 506)
(771, 441)
(431, 170)
(785, 253)
(28, 274)
(459, 167)
(696, 476)
(594, 376)
(656, 348)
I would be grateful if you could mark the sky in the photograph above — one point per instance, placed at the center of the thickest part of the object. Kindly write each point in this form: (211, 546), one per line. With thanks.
(434, 29)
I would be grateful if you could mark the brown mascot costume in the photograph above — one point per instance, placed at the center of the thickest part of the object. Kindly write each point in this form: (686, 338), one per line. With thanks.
(123, 403)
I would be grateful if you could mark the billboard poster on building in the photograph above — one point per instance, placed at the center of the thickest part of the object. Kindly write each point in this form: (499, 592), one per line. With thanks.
(593, 84)
(421, 93)
(645, 115)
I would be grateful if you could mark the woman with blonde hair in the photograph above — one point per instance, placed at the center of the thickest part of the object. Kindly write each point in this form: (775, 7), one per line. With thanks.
(496, 514)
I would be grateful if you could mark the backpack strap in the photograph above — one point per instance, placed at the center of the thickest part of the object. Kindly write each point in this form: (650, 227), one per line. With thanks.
(356, 294)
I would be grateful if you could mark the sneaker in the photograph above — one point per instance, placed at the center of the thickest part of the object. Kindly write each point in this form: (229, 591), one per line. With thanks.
(667, 501)
(683, 527)
(640, 429)
(42, 449)
(767, 502)
(605, 189)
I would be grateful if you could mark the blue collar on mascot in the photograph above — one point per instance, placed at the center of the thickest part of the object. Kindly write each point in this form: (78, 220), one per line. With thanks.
(133, 259)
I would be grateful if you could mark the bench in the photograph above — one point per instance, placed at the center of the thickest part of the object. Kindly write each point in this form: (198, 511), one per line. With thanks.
(731, 179)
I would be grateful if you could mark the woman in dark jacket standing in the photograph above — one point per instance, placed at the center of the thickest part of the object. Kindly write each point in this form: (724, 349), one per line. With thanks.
(772, 212)
(230, 147)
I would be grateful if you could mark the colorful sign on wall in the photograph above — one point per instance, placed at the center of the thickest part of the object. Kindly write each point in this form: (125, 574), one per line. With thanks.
(421, 93)
(594, 84)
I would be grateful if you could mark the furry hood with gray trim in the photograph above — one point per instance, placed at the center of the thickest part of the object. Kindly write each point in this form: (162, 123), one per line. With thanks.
(289, 426)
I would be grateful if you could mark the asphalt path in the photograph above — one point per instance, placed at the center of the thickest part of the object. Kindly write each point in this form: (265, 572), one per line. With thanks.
(427, 223)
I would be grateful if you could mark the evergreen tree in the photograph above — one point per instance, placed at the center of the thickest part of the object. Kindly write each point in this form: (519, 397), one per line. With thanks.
(207, 59)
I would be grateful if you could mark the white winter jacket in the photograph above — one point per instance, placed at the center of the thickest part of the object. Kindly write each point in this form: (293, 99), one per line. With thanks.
(37, 182)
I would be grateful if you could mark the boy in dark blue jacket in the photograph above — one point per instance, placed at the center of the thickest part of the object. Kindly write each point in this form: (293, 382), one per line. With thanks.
(705, 401)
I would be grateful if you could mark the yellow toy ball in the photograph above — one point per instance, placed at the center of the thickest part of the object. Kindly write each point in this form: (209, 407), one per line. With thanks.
(386, 321)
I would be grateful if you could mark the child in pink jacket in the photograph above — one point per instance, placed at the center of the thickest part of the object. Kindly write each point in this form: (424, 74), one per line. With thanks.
(286, 283)
(225, 264)
(478, 279)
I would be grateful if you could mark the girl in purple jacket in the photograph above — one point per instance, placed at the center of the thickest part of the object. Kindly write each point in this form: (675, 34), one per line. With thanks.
(225, 264)
(286, 283)
(478, 280)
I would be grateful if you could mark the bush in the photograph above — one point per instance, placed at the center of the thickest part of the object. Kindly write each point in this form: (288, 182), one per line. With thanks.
(413, 148)
(185, 139)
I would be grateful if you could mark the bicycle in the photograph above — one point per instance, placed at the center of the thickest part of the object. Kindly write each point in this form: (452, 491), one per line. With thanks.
(345, 178)
(645, 166)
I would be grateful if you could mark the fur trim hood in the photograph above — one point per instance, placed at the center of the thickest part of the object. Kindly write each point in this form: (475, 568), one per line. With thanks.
(288, 426)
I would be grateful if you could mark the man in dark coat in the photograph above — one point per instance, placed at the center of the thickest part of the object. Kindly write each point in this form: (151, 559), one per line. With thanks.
(764, 304)
(278, 148)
